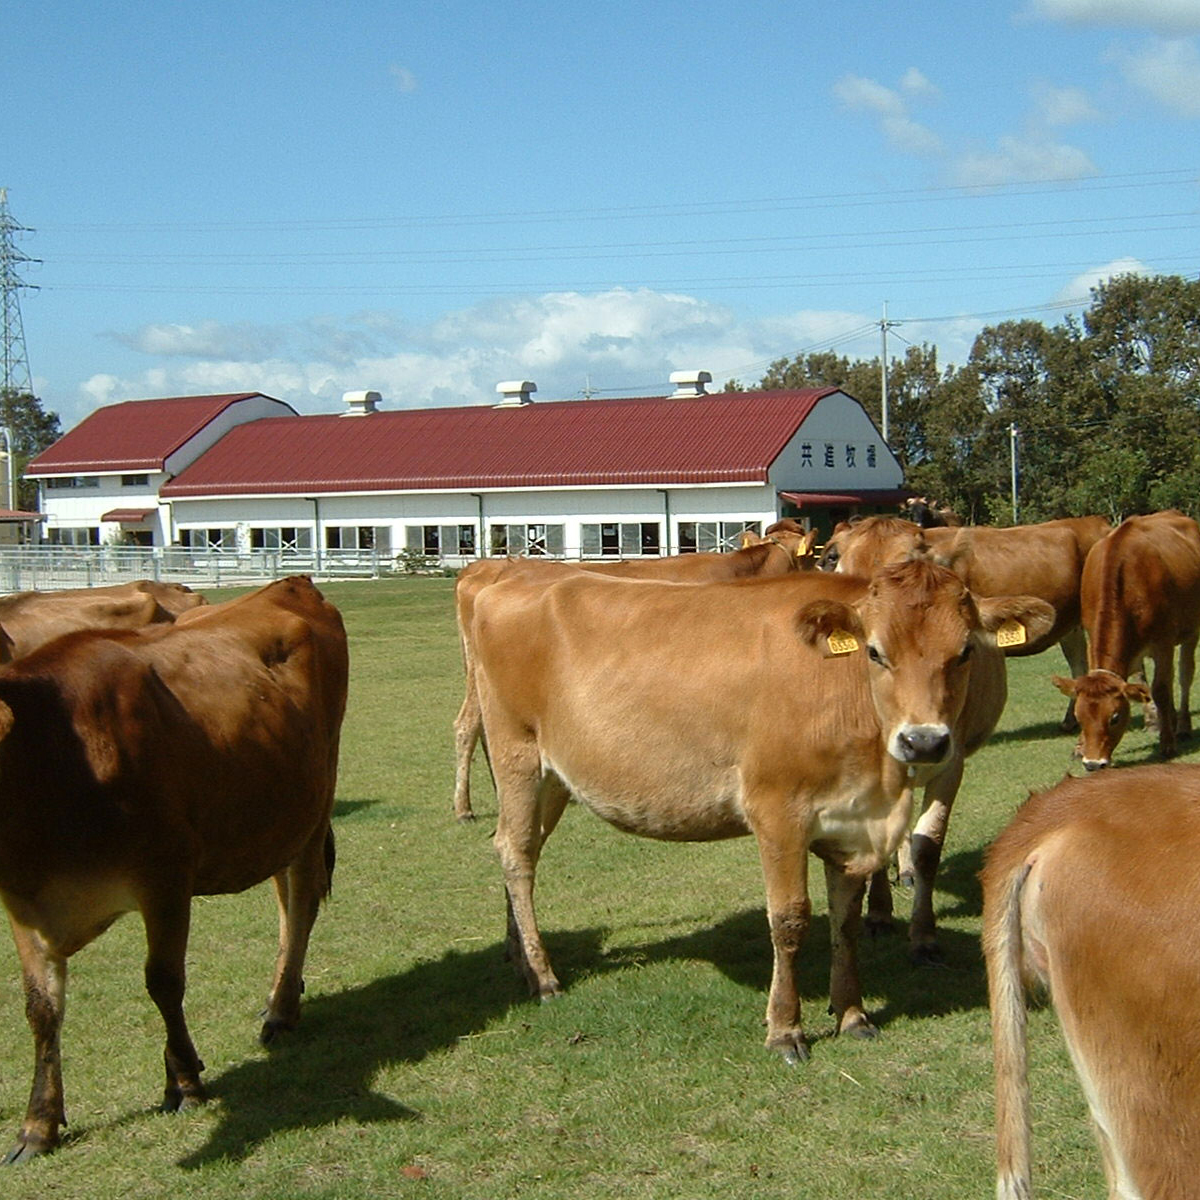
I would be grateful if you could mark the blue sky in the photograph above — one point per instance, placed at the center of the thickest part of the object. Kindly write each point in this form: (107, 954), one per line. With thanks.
(426, 199)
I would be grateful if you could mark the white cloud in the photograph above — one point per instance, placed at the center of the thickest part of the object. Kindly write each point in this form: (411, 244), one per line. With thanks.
(1168, 70)
(1080, 287)
(403, 78)
(1171, 17)
(619, 341)
(1059, 106)
(1026, 158)
(892, 109)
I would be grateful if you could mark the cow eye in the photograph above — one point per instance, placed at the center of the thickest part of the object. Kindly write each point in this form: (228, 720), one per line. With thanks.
(1115, 719)
(967, 651)
(876, 655)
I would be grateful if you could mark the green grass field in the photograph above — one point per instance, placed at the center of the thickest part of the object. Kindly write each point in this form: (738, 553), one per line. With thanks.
(421, 1069)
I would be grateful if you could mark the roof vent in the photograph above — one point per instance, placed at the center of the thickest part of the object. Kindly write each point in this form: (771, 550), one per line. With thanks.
(689, 383)
(361, 403)
(516, 393)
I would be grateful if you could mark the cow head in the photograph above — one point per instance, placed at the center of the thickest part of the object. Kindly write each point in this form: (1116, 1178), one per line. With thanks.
(859, 547)
(1102, 700)
(920, 631)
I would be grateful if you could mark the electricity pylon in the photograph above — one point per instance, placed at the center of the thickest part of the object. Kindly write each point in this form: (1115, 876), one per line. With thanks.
(15, 378)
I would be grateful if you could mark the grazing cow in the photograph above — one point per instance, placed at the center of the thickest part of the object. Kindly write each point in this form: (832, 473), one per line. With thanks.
(768, 558)
(1043, 560)
(1141, 597)
(31, 618)
(141, 768)
(802, 710)
(1092, 893)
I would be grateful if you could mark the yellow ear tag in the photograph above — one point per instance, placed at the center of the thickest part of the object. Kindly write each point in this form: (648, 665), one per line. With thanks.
(841, 642)
(1011, 633)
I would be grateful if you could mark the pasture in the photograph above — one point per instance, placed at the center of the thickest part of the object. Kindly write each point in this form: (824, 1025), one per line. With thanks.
(422, 1069)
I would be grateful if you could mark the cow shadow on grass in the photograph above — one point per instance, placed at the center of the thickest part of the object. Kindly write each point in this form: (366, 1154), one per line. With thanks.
(325, 1072)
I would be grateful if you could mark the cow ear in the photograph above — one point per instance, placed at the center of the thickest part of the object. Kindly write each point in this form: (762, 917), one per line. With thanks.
(830, 625)
(1034, 616)
(1138, 691)
(1068, 687)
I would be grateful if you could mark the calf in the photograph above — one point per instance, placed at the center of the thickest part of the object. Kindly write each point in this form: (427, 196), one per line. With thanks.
(139, 769)
(1092, 892)
(802, 710)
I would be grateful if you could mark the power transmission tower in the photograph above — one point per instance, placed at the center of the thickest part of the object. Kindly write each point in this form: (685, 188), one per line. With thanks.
(15, 378)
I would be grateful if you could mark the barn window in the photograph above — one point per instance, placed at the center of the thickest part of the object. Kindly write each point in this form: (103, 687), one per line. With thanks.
(436, 540)
(626, 539)
(135, 480)
(284, 537)
(207, 540)
(713, 535)
(533, 539)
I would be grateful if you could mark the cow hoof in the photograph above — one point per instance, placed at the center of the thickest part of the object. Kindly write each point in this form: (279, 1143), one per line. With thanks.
(25, 1150)
(879, 926)
(926, 954)
(860, 1027)
(465, 818)
(791, 1047)
(548, 991)
(272, 1028)
(906, 879)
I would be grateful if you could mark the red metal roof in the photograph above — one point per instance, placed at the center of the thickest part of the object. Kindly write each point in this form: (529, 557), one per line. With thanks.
(126, 516)
(725, 438)
(136, 435)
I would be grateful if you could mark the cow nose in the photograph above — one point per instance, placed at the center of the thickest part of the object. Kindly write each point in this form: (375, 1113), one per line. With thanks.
(923, 744)
(1095, 764)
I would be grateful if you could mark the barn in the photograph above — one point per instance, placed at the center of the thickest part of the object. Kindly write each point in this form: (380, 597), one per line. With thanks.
(579, 478)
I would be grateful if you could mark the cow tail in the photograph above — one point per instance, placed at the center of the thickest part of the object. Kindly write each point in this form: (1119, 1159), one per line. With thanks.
(330, 859)
(1006, 994)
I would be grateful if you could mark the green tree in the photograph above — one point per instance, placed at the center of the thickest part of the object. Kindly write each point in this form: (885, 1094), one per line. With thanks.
(32, 429)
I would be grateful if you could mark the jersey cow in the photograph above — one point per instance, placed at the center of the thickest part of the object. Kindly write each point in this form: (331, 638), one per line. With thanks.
(141, 768)
(28, 619)
(766, 558)
(1141, 597)
(1091, 892)
(1043, 560)
(802, 710)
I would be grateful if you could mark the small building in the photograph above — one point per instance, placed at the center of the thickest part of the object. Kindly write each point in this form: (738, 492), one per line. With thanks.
(580, 478)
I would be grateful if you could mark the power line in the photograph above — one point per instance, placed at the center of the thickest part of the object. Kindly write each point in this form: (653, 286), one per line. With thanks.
(15, 365)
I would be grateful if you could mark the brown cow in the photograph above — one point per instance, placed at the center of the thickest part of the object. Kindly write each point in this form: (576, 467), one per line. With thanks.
(1141, 597)
(1091, 892)
(803, 710)
(141, 768)
(32, 618)
(768, 558)
(1043, 560)
(792, 536)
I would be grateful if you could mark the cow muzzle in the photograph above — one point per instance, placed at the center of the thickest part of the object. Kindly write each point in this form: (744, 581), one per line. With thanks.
(915, 744)
(1095, 764)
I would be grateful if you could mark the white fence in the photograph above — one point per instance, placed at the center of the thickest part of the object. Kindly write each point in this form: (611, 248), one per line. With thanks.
(46, 568)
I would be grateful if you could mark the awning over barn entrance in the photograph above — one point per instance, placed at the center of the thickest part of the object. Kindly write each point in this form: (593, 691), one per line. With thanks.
(803, 500)
(127, 516)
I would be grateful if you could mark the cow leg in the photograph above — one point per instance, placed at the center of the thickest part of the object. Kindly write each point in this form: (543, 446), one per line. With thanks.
(845, 915)
(880, 909)
(1074, 648)
(1161, 693)
(1187, 669)
(299, 891)
(530, 805)
(167, 921)
(783, 851)
(468, 726)
(927, 841)
(45, 979)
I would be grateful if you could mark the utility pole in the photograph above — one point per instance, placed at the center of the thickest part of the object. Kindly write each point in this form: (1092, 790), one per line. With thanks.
(1012, 449)
(884, 326)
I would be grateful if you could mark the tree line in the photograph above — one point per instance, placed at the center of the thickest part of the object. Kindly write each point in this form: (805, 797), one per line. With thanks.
(1106, 408)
